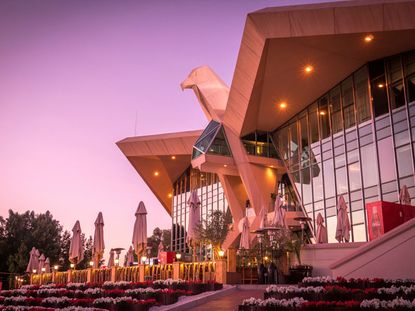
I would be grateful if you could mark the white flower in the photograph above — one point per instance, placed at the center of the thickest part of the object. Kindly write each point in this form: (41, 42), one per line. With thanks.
(251, 302)
(104, 300)
(75, 285)
(93, 291)
(141, 291)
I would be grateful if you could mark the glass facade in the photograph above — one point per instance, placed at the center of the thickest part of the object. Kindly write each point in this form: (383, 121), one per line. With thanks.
(212, 141)
(357, 140)
(259, 144)
(211, 196)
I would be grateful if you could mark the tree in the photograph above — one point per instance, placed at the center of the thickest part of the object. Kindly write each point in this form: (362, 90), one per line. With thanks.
(154, 241)
(215, 229)
(20, 232)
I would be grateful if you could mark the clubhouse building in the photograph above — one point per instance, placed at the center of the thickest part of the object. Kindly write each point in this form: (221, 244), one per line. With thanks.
(322, 104)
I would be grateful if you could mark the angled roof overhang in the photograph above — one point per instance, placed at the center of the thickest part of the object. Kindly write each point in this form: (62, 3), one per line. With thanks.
(153, 153)
(278, 42)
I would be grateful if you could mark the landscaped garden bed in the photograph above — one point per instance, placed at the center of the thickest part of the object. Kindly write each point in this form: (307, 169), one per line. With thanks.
(326, 293)
(108, 296)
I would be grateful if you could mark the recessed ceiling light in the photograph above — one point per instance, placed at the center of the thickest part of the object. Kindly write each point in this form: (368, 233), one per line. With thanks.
(225, 165)
(173, 157)
(381, 85)
(369, 38)
(156, 173)
(322, 113)
(308, 69)
(283, 105)
(272, 166)
(170, 195)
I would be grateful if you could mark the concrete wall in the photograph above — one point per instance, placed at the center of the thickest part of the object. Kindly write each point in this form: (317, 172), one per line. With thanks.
(321, 256)
(390, 256)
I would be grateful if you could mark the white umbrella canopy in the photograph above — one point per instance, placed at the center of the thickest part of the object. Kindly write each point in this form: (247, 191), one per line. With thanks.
(111, 259)
(263, 216)
(322, 236)
(99, 246)
(140, 230)
(404, 196)
(129, 260)
(32, 264)
(47, 265)
(194, 218)
(42, 259)
(245, 242)
(76, 249)
(343, 223)
(279, 213)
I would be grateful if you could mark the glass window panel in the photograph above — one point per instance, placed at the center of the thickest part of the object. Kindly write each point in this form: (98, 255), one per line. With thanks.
(397, 95)
(341, 181)
(359, 233)
(394, 69)
(386, 160)
(340, 160)
(362, 95)
(354, 176)
(324, 117)
(409, 63)
(306, 183)
(358, 216)
(304, 142)
(335, 109)
(293, 144)
(400, 126)
(283, 142)
(378, 87)
(329, 184)
(404, 158)
(331, 223)
(353, 156)
(313, 124)
(401, 138)
(369, 166)
(219, 144)
(410, 87)
(348, 102)
(317, 183)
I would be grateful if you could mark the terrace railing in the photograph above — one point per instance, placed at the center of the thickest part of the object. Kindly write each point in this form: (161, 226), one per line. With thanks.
(100, 275)
(196, 271)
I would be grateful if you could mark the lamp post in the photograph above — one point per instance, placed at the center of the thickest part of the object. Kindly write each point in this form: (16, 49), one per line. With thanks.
(72, 266)
(303, 221)
(221, 253)
(178, 256)
(91, 263)
(56, 267)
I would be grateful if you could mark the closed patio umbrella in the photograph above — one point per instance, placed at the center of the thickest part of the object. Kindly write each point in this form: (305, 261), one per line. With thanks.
(194, 218)
(37, 255)
(404, 196)
(279, 213)
(343, 223)
(111, 259)
(129, 257)
(76, 249)
(42, 259)
(244, 242)
(99, 246)
(321, 230)
(47, 265)
(160, 248)
(140, 230)
(32, 264)
(263, 216)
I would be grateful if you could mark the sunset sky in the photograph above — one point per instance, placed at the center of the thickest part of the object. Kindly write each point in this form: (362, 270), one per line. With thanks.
(73, 77)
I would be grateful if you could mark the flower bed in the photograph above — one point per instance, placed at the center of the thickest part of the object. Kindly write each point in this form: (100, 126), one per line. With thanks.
(109, 296)
(326, 293)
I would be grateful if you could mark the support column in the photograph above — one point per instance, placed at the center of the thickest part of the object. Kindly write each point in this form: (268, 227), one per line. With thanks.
(89, 275)
(220, 271)
(231, 259)
(176, 270)
(141, 272)
(70, 276)
(113, 274)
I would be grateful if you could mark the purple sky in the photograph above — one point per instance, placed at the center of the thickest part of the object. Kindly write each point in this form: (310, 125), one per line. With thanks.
(73, 76)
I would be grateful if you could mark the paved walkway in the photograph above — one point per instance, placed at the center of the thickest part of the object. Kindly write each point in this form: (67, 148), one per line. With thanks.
(230, 301)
